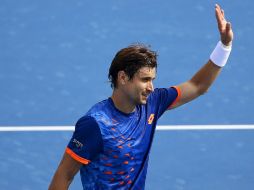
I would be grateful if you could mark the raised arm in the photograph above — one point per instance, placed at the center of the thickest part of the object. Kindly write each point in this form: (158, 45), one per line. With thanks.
(203, 79)
(65, 173)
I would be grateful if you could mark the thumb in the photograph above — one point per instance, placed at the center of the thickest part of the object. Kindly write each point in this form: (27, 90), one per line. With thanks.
(228, 27)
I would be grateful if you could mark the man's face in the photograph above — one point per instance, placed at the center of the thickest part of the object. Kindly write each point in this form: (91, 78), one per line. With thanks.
(141, 85)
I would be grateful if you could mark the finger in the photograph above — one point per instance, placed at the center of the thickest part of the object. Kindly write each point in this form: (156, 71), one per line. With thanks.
(217, 6)
(218, 12)
(222, 13)
(218, 15)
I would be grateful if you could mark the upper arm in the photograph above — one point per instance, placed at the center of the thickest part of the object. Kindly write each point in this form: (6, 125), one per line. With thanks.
(84, 146)
(162, 98)
(69, 166)
(86, 143)
(65, 173)
(189, 91)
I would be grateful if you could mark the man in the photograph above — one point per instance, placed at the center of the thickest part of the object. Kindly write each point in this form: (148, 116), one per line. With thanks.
(111, 143)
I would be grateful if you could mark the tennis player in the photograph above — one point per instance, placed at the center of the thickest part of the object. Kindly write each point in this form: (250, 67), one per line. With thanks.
(111, 143)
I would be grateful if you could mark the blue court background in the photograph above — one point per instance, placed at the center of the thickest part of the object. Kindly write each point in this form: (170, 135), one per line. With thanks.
(54, 58)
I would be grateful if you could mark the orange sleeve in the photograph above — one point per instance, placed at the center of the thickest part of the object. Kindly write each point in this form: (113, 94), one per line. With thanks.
(76, 157)
(178, 96)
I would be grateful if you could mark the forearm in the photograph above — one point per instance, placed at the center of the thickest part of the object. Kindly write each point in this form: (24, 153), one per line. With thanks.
(204, 78)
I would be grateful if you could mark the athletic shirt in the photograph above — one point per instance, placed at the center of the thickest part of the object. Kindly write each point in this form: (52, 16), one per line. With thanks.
(114, 146)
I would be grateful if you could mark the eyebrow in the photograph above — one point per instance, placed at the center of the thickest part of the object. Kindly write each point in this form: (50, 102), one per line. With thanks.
(148, 78)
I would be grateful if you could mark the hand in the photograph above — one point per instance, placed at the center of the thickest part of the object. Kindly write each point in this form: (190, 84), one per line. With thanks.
(224, 27)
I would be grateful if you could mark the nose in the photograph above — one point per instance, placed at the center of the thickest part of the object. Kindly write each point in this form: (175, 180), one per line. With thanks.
(150, 86)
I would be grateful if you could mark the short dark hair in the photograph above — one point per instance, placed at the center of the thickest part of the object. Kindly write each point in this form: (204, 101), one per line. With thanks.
(130, 60)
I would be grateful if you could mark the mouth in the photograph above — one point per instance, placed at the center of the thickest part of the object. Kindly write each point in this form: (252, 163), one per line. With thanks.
(145, 95)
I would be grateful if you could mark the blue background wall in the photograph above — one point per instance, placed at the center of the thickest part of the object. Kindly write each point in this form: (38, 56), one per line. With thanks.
(54, 59)
(54, 56)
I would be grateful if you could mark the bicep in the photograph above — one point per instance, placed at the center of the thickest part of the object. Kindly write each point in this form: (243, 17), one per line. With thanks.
(65, 173)
(69, 166)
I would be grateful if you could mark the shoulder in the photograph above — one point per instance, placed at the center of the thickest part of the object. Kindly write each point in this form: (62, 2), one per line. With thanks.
(162, 99)
(102, 112)
(87, 125)
(160, 93)
(87, 119)
(96, 119)
(98, 108)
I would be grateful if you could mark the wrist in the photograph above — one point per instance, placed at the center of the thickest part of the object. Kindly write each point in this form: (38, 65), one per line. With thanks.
(226, 44)
(221, 54)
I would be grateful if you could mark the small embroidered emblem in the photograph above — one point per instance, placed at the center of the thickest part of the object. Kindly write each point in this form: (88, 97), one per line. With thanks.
(150, 119)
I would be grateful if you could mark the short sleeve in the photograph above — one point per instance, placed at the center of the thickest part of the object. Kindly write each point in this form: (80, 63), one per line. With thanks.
(86, 142)
(162, 98)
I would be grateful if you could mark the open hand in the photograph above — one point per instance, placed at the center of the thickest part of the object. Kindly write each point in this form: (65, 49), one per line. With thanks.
(224, 27)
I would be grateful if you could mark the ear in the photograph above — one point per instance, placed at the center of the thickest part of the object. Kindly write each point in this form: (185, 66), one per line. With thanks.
(122, 78)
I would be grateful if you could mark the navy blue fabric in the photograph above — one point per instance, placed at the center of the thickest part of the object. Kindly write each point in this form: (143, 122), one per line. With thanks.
(86, 141)
(162, 98)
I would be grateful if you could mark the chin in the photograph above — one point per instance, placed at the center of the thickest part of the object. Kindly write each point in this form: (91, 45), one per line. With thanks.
(143, 101)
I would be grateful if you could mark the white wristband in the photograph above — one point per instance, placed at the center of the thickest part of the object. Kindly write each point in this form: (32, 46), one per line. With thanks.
(220, 54)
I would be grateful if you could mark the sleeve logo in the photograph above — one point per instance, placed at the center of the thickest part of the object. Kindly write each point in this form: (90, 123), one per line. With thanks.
(77, 143)
(150, 119)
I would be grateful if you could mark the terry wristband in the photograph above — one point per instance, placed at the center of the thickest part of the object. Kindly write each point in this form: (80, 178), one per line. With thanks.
(220, 54)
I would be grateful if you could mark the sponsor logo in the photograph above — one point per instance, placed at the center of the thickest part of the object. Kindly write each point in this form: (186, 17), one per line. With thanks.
(150, 119)
(77, 143)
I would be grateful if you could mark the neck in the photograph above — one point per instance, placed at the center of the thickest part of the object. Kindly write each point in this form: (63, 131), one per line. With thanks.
(122, 102)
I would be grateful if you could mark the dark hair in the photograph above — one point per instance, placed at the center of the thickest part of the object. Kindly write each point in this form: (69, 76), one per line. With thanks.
(130, 60)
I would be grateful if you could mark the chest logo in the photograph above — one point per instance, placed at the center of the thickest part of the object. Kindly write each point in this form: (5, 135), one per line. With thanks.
(150, 119)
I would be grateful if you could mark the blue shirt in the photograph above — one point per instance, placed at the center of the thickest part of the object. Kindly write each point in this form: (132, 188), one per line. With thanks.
(114, 146)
